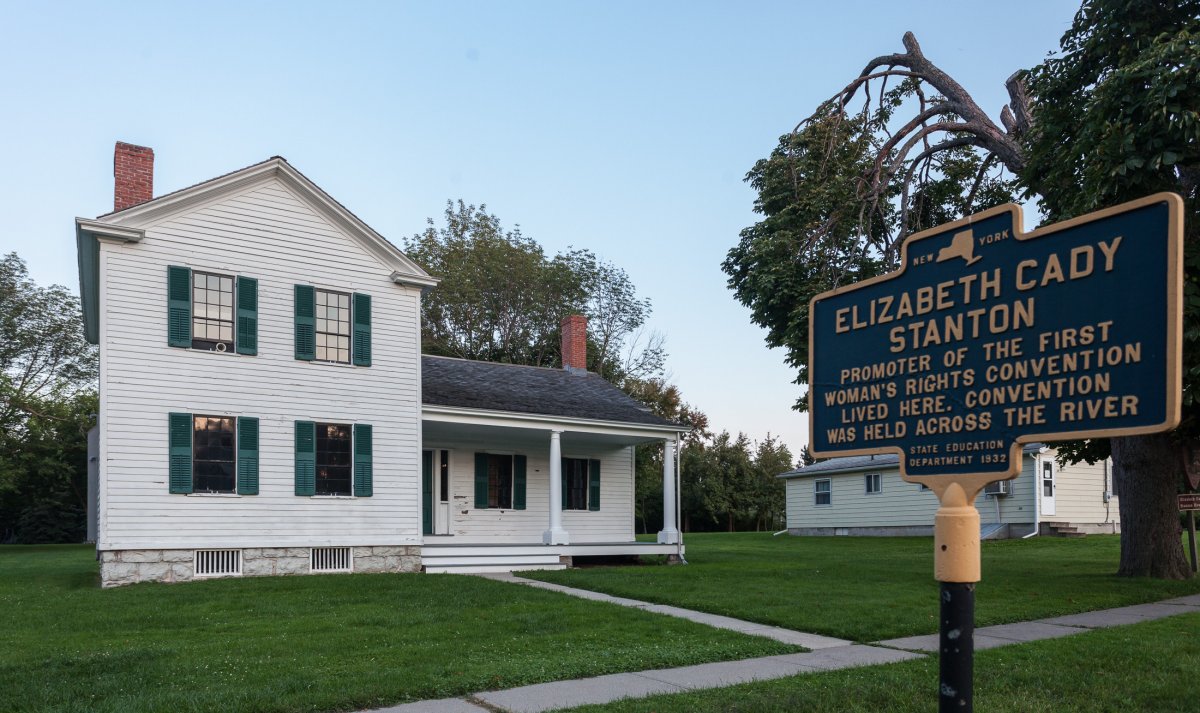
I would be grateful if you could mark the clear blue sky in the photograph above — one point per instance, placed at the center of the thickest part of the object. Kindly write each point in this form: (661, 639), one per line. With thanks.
(622, 127)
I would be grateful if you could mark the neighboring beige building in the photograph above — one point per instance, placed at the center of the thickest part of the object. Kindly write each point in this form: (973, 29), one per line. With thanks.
(864, 495)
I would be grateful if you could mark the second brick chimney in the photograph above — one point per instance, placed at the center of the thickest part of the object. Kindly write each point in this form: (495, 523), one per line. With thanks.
(574, 342)
(133, 174)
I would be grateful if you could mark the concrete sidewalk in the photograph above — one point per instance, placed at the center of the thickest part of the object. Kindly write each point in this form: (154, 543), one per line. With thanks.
(606, 689)
(787, 636)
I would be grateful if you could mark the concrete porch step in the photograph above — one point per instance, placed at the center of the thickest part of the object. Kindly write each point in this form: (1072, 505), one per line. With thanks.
(485, 568)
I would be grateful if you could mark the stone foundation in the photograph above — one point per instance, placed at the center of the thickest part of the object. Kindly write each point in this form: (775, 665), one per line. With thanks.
(120, 567)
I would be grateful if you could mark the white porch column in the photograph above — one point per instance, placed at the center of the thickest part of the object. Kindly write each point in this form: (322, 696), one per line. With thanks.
(556, 535)
(669, 535)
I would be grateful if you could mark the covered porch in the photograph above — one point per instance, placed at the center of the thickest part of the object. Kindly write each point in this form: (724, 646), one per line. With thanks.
(513, 491)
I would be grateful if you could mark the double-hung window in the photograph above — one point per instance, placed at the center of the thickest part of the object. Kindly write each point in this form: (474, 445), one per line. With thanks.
(211, 311)
(334, 459)
(499, 481)
(212, 454)
(580, 484)
(874, 483)
(823, 492)
(332, 326)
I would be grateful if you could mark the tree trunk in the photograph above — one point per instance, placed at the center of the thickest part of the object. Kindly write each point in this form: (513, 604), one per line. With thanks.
(1146, 475)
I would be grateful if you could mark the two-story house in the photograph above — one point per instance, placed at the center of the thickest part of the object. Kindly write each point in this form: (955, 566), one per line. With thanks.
(265, 407)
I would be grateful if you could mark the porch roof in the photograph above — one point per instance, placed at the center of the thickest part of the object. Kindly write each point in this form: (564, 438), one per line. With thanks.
(512, 388)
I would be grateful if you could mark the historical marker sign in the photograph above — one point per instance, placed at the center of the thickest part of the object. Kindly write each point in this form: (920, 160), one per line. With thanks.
(987, 338)
(1189, 501)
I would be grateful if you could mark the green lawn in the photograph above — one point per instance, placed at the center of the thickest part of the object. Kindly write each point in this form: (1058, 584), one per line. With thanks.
(868, 589)
(313, 643)
(1143, 667)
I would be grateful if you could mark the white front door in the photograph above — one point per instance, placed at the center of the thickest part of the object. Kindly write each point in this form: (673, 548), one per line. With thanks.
(441, 494)
(1046, 481)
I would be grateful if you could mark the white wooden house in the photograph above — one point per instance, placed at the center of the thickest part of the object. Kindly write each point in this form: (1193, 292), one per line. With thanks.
(864, 495)
(265, 407)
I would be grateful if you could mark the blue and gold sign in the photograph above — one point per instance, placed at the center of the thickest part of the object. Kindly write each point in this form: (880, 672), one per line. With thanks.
(987, 338)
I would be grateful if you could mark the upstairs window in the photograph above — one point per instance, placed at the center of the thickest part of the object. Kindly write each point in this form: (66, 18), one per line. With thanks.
(333, 326)
(212, 311)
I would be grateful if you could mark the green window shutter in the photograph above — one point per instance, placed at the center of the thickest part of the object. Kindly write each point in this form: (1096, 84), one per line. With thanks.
(306, 325)
(179, 307)
(179, 441)
(306, 458)
(593, 485)
(565, 481)
(481, 481)
(247, 316)
(360, 344)
(518, 482)
(247, 455)
(363, 447)
(427, 492)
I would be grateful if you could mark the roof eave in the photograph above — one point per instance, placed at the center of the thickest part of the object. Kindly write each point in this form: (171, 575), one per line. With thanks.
(401, 264)
(88, 234)
(451, 411)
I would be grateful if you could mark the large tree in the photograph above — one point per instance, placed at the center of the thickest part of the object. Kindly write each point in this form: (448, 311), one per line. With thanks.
(502, 298)
(1113, 115)
(47, 401)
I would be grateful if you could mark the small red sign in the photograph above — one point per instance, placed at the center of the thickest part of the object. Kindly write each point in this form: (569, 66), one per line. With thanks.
(1189, 501)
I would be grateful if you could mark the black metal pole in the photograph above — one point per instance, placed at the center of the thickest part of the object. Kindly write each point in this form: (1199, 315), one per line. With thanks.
(956, 644)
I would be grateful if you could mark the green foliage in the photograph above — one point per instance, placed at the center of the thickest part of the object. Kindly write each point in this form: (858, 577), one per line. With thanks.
(502, 298)
(729, 483)
(820, 231)
(43, 354)
(43, 473)
(47, 400)
(1117, 117)
(311, 643)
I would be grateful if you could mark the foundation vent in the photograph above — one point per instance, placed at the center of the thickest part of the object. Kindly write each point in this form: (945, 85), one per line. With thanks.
(331, 559)
(218, 563)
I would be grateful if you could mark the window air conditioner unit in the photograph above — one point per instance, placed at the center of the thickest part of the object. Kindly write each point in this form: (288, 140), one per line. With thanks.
(1000, 487)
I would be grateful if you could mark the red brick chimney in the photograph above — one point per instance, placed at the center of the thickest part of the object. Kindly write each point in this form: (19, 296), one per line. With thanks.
(574, 342)
(133, 169)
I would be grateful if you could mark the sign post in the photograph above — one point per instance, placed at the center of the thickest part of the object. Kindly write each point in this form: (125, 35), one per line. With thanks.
(985, 339)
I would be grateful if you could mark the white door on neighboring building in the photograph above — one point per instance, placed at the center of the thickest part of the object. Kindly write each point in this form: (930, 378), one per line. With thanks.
(1047, 485)
(441, 506)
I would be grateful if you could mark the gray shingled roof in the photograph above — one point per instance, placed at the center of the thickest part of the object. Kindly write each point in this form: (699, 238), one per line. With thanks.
(852, 464)
(529, 389)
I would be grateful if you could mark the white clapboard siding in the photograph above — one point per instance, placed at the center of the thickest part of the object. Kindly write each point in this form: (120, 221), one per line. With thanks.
(899, 504)
(269, 233)
(1079, 493)
(613, 522)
